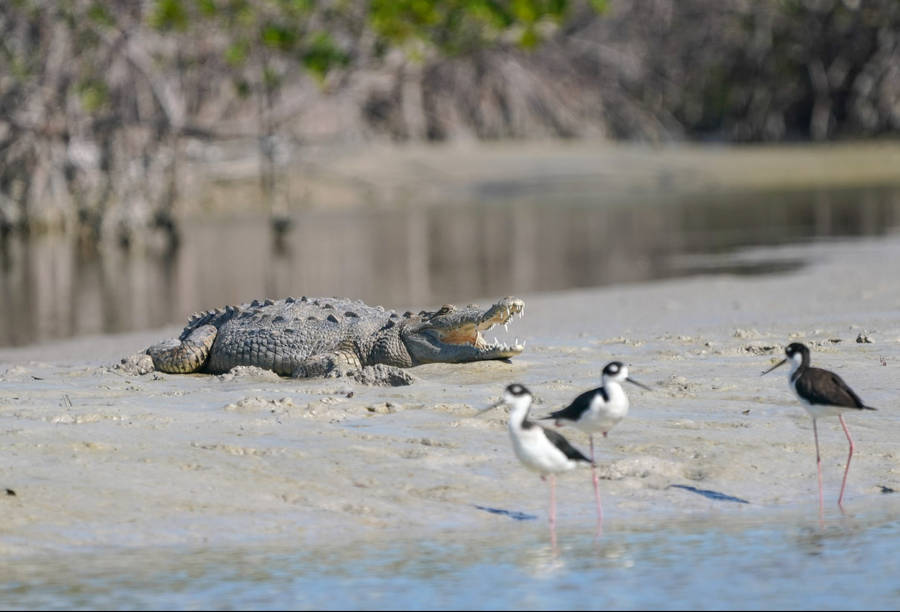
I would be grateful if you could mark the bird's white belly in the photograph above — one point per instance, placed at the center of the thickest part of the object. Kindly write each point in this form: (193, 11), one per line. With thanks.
(822, 410)
(601, 422)
(602, 418)
(537, 453)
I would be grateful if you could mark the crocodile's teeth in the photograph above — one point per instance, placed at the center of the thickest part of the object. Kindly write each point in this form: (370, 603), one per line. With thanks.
(506, 326)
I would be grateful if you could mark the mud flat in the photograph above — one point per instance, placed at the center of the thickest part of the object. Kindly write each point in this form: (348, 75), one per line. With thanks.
(94, 456)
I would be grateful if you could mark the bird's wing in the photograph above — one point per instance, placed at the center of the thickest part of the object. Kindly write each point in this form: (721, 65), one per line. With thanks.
(579, 406)
(562, 444)
(827, 388)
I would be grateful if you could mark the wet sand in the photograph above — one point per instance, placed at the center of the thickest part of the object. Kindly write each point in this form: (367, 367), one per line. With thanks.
(98, 457)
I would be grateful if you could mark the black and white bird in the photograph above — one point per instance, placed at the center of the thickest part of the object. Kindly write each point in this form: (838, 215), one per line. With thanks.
(598, 411)
(823, 393)
(539, 449)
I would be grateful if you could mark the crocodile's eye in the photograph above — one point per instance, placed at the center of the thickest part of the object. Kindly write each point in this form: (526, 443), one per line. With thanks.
(445, 309)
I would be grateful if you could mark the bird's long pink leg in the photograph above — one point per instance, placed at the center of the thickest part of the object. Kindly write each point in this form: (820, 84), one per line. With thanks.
(819, 469)
(846, 469)
(596, 488)
(553, 508)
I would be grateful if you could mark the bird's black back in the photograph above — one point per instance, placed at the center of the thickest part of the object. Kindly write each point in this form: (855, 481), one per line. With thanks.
(579, 405)
(818, 386)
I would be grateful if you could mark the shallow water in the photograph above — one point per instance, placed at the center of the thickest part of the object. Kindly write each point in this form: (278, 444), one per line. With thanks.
(505, 245)
(740, 560)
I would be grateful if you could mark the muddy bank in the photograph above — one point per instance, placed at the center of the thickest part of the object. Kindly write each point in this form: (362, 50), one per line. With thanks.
(95, 456)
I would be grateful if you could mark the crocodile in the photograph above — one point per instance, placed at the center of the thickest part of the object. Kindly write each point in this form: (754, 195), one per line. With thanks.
(308, 337)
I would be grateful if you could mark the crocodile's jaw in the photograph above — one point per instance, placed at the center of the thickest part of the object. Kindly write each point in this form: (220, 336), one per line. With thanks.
(458, 336)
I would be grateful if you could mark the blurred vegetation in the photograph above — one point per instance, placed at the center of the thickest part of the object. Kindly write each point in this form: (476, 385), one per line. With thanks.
(98, 99)
(95, 96)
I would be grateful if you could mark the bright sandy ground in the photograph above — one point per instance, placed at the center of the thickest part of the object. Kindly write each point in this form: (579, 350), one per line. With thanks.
(97, 457)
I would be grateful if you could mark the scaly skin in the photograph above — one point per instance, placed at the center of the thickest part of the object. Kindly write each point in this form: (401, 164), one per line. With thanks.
(332, 337)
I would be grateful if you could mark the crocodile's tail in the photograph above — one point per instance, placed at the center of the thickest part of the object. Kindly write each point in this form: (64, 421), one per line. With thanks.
(184, 355)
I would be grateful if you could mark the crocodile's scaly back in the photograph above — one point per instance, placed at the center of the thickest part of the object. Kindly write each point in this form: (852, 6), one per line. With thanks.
(281, 335)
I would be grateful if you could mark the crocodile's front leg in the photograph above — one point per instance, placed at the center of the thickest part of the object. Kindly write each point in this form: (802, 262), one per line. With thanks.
(342, 363)
(184, 356)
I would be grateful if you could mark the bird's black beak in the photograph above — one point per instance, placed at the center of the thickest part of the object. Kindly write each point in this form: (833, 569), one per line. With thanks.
(641, 385)
(780, 363)
(491, 407)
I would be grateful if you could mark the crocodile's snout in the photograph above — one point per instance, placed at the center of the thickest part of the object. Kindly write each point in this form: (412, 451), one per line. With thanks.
(463, 328)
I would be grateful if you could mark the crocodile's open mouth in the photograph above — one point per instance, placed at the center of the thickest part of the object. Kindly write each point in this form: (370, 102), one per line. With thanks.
(471, 333)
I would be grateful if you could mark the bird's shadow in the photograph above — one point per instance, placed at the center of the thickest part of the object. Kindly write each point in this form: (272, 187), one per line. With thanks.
(709, 493)
(513, 514)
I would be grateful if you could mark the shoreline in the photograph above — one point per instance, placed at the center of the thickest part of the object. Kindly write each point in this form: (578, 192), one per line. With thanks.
(389, 175)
